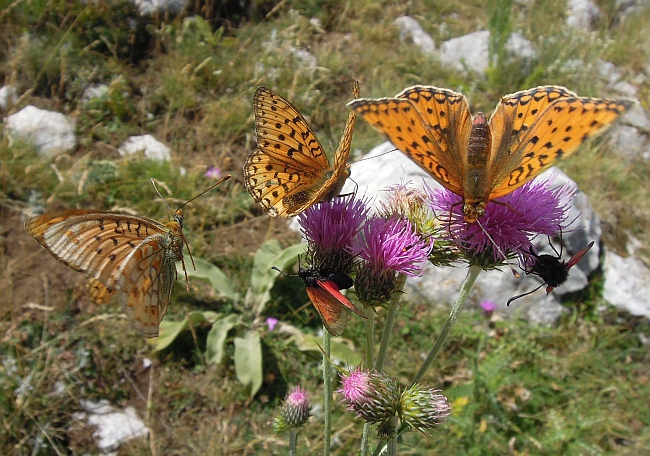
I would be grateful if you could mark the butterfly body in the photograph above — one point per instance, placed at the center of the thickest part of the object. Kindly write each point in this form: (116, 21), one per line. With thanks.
(481, 160)
(289, 170)
(323, 289)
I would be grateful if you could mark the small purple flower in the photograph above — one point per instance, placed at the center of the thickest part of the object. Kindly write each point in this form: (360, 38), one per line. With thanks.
(488, 307)
(213, 172)
(271, 323)
(511, 223)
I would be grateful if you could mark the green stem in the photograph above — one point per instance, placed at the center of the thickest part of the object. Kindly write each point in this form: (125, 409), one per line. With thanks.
(393, 305)
(327, 390)
(391, 447)
(472, 274)
(370, 351)
(293, 439)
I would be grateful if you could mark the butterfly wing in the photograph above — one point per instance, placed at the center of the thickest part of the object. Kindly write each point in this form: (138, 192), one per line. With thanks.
(146, 281)
(332, 313)
(89, 241)
(430, 125)
(534, 128)
(289, 167)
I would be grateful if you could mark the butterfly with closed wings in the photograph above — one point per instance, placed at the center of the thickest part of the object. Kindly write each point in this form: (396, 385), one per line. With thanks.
(289, 170)
(482, 160)
(130, 256)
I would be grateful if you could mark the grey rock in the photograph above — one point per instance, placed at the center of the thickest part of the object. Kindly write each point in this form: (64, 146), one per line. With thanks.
(152, 148)
(471, 51)
(8, 97)
(51, 132)
(582, 14)
(637, 117)
(627, 284)
(627, 141)
(94, 91)
(113, 427)
(155, 7)
(410, 30)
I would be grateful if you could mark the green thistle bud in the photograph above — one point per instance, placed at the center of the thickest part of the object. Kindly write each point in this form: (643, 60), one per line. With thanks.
(371, 395)
(294, 411)
(423, 408)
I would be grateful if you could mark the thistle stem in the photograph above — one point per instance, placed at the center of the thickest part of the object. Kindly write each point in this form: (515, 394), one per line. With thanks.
(472, 274)
(293, 439)
(390, 320)
(327, 390)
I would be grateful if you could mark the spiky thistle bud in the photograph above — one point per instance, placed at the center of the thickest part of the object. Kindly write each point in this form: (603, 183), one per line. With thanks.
(371, 395)
(423, 408)
(294, 411)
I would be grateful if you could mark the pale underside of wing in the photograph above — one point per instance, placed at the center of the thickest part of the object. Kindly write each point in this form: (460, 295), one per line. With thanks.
(430, 125)
(332, 313)
(93, 242)
(556, 132)
(146, 283)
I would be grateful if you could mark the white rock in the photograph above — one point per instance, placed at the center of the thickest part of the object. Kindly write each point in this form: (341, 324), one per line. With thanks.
(151, 147)
(51, 132)
(410, 30)
(582, 14)
(626, 89)
(637, 117)
(471, 51)
(609, 72)
(152, 7)
(627, 141)
(94, 91)
(113, 427)
(8, 97)
(627, 284)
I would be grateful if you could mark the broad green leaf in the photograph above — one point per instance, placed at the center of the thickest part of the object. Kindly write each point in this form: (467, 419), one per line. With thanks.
(263, 277)
(248, 361)
(214, 349)
(341, 349)
(170, 330)
(207, 271)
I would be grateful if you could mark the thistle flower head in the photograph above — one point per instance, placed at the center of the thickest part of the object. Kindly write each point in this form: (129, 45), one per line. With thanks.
(509, 225)
(329, 228)
(388, 247)
(410, 203)
(423, 408)
(373, 396)
(294, 411)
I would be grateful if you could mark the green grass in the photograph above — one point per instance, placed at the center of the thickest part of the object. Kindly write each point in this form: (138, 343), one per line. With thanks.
(581, 388)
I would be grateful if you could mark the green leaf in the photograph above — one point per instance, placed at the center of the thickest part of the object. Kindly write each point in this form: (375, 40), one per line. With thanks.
(207, 271)
(214, 349)
(263, 277)
(248, 361)
(170, 330)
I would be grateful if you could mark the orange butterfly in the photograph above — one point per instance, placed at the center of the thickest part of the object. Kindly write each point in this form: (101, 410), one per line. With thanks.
(289, 170)
(480, 160)
(323, 289)
(130, 256)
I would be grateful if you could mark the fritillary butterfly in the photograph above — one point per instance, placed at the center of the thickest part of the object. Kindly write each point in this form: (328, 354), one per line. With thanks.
(129, 256)
(528, 132)
(289, 170)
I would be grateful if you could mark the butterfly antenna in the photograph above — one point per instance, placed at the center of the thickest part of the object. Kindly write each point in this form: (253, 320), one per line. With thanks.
(153, 182)
(525, 294)
(498, 249)
(225, 178)
(280, 271)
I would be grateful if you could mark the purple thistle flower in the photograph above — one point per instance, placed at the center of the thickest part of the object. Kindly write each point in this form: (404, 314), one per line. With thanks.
(213, 172)
(392, 244)
(389, 247)
(329, 228)
(512, 223)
